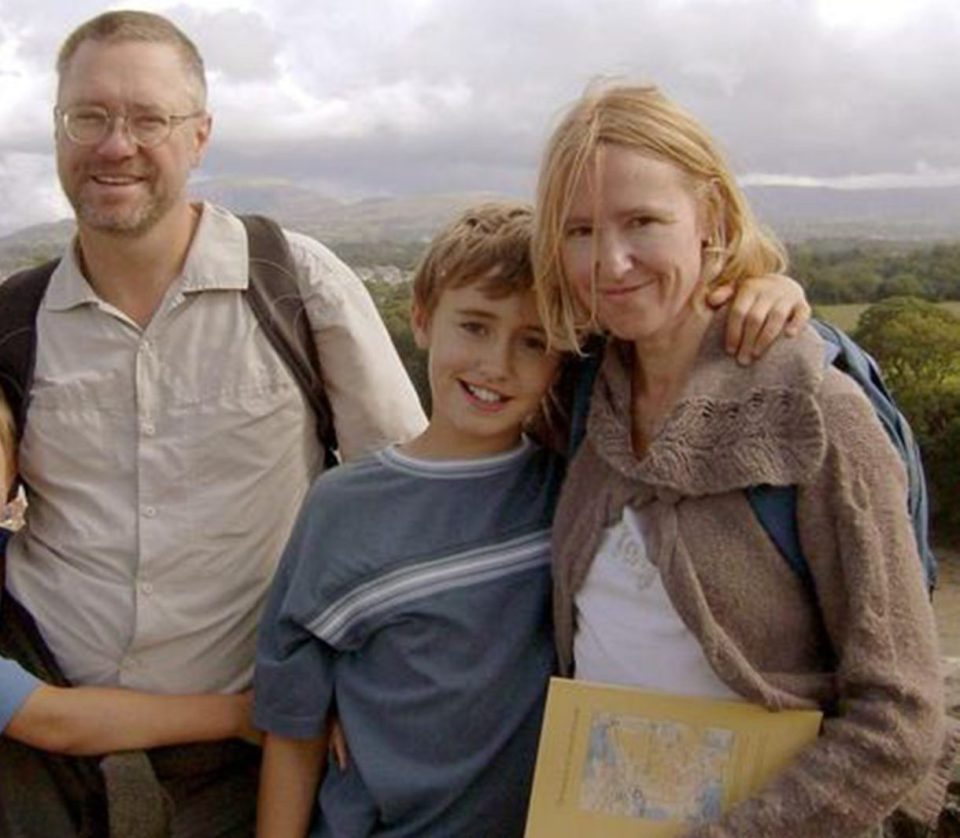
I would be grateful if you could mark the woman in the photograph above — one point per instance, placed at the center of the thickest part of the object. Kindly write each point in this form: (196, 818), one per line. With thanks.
(664, 577)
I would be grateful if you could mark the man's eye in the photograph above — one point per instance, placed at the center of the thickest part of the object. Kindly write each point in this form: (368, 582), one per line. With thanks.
(149, 122)
(88, 119)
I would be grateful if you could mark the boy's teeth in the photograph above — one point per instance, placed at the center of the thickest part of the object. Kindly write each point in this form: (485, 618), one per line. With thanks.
(484, 394)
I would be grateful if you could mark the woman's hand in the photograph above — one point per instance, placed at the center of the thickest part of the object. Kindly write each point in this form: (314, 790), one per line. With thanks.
(763, 309)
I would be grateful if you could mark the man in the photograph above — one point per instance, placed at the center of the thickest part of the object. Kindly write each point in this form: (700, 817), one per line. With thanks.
(167, 447)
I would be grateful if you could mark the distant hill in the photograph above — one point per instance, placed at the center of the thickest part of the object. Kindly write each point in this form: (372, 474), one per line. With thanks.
(399, 225)
(800, 213)
(33, 245)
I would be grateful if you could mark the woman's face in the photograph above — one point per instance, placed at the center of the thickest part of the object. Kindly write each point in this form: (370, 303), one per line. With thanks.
(633, 243)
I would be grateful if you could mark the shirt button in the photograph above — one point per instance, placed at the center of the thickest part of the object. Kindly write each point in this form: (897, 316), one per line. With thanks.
(148, 428)
(150, 511)
(146, 588)
(129, 663)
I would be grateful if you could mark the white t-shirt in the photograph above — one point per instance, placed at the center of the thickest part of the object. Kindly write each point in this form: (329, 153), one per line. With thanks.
(628, 631)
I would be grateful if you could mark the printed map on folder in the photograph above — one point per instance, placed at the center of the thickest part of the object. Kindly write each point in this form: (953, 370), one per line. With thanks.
(617, 761)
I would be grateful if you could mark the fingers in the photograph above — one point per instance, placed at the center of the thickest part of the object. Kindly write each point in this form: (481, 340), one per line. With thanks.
(764, 309)
(740, 310)
(771, 329)
(720, 295)
(798, 318)
(752, 322)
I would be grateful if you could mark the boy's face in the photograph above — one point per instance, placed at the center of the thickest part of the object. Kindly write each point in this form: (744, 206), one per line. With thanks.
(489, 369)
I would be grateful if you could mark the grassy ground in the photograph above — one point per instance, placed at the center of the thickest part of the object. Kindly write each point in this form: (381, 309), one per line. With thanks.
(845, 316)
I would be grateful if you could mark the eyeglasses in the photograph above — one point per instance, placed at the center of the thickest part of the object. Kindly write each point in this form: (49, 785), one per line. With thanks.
(91, 124)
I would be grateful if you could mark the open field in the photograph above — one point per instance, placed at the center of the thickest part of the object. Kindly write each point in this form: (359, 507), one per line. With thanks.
(845, 316)
(946, 601)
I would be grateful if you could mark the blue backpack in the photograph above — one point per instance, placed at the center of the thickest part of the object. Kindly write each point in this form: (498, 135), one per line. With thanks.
(776, 506)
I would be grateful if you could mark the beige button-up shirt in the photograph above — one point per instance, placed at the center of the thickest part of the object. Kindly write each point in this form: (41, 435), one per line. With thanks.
(166, 465)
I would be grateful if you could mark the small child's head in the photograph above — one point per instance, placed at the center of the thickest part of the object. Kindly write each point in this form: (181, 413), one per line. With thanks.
(475, 312)
(8, 446)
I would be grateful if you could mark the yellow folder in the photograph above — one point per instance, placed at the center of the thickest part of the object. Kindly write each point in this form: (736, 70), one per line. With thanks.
(617, 761)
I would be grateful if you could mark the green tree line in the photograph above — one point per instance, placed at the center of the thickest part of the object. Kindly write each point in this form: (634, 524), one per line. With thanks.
(865, 273)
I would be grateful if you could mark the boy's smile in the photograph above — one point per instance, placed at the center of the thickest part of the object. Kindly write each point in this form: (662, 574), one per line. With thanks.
(489, 370)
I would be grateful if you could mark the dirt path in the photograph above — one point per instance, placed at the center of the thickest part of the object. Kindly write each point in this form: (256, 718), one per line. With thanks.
(946, 602)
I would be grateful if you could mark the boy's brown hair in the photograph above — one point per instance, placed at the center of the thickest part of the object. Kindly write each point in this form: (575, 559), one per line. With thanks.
(488, 243)
(8, 448)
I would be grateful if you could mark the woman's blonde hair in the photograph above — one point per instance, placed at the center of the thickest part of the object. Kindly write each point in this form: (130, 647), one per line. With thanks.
(643, 119)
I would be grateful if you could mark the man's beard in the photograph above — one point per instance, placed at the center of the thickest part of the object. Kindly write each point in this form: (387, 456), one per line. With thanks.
(129, 220)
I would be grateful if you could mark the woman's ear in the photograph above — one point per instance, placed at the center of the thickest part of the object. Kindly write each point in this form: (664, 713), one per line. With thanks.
(712, 218)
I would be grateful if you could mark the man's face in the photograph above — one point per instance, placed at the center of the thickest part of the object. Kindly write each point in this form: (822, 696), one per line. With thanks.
(116, 186)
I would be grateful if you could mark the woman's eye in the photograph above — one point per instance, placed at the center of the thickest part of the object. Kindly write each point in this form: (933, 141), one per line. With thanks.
(535, 343)
(579, 231)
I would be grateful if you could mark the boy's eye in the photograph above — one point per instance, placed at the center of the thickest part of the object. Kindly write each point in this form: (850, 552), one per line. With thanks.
(535, 343)
(474, 327)
(638, 221)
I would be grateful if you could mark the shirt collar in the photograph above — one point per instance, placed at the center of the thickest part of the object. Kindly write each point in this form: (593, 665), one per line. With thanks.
(217, 260)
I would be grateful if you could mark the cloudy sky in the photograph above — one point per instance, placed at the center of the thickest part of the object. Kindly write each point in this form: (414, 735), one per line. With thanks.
(387, 97)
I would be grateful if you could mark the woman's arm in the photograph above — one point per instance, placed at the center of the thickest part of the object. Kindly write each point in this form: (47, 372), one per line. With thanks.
(98, 720)
(291, 771)
(762, 310)
(887, 729)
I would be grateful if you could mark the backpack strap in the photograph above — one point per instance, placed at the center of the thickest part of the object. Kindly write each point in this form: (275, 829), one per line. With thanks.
(775, 508)
(584, 371)
(274, 295)
(20, 296)
(851, 359)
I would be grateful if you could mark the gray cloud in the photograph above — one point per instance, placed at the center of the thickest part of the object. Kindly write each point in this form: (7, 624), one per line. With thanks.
(373, 97)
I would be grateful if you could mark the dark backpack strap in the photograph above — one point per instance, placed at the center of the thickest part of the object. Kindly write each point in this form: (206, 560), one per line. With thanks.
(584, 372)
(20, 297)
(274, 295)
(775, 508)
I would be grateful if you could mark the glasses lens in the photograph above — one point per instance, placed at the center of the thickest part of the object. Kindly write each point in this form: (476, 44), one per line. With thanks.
(149, 129)
(85, 125)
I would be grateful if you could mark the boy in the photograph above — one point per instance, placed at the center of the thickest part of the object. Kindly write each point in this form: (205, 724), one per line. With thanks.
(414, 592)
(95, 720)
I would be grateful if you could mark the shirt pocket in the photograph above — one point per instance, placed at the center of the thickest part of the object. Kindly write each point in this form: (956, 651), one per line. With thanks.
(75, 423)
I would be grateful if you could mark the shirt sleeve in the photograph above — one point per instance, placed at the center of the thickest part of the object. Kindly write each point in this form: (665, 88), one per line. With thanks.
(293, 678)
(16, 685)
(374, 403)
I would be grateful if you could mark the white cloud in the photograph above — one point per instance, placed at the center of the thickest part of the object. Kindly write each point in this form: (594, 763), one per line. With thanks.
(389, 96)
